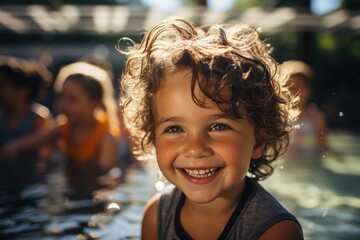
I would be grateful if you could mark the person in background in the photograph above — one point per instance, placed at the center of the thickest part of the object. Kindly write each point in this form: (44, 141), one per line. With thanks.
(105, 81)
(102, 71)
(126, 158)
(105, 73)
(86, 133)
(216, 114)
(21, 84)
(308, 140)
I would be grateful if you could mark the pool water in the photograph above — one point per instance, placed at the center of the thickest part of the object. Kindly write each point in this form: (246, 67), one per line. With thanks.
(325, 198)
(42, 212)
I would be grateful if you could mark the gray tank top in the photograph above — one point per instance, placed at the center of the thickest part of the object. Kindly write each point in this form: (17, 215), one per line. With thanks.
(256, 211)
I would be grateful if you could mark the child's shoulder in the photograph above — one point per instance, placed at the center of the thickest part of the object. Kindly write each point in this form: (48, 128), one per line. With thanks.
(271, 215)
(163, 203)
(153, 201)
(285, 230)
(150, 217)
(163, 199)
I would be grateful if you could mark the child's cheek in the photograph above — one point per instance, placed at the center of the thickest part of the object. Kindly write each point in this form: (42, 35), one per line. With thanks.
(166, 150)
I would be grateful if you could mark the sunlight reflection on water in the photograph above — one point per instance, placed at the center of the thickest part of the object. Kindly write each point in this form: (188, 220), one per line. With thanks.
(323, 195)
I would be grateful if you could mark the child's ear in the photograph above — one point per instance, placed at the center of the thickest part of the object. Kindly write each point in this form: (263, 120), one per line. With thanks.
(258, 150)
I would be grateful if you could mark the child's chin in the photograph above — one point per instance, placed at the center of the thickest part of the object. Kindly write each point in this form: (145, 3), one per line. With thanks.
(200, 197)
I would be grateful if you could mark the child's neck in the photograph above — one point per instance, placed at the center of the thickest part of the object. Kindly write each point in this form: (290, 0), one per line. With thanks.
(84, 125)
(214, 209)
(207, 221)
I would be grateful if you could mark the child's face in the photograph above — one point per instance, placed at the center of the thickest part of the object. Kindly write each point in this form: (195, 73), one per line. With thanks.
(75, 102)
(10, 95)
(202, 151)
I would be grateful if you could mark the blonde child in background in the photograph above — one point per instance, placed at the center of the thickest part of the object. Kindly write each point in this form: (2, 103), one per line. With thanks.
(213, 110)
(109, 110)
(104, 72)
(21, 84)
(85, 130)
(99, 69)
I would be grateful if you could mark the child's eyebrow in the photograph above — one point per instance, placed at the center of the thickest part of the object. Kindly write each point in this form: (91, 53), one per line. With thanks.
(168, 119)
(177, 119)
(228, 116)
(224, 115)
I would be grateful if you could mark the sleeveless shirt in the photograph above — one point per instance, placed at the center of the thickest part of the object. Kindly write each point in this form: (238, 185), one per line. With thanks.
(87, 149)
(82, 168)
(256, 211)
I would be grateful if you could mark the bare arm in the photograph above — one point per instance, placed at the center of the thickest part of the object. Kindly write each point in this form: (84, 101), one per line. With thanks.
(42, 118)
(29, 142)
(149, 229)
(284, 230)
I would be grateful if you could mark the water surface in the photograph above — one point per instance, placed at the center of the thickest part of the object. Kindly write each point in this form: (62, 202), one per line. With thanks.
(324, 195)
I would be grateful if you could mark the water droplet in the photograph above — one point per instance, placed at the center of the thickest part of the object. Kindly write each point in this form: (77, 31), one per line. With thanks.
(324, 214)
(341, 114)
(113, 205)
(159, 186)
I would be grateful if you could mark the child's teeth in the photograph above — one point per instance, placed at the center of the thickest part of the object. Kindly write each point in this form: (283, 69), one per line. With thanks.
(202, 173)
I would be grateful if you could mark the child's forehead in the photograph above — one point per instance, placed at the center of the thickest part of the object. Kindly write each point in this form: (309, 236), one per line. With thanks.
(203, 95)
(208, 82)
(171, 72)
(73, 85)
(179, 78)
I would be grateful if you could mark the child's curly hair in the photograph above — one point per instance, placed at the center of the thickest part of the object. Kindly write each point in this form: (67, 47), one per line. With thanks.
(219, 58)
(27, 74)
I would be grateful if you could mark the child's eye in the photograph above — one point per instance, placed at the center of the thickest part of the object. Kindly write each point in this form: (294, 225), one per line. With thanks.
(219, 127)
(173, 129)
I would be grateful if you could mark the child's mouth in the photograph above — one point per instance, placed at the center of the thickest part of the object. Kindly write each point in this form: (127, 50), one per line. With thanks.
(201, 173)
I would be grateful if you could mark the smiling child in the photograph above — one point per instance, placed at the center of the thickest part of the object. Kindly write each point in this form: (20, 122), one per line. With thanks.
(213, 110)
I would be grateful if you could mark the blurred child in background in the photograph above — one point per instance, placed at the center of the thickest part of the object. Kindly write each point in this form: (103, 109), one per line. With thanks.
(84, 65)
(308, 140)
(87, 130)
(21, 82)
(89, 141)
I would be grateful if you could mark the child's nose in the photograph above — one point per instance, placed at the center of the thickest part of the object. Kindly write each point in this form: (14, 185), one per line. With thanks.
(197, 147)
